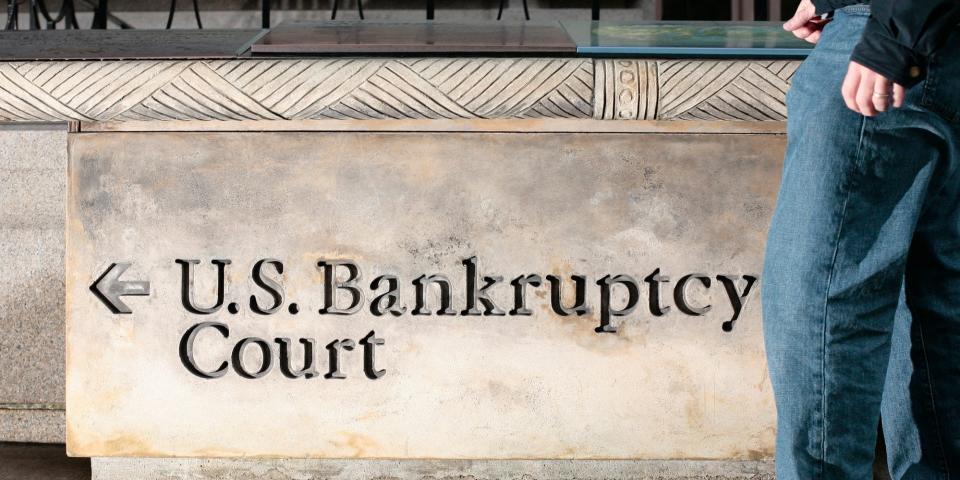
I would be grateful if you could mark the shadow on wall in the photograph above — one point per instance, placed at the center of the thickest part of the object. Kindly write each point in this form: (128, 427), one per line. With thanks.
(23, 461)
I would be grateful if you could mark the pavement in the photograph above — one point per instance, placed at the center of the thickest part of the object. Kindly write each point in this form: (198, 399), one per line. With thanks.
(33, 461)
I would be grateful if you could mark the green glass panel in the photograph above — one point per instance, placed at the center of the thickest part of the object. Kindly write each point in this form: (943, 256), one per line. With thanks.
(686, 39)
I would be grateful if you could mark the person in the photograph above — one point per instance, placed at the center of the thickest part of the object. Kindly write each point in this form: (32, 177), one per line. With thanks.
(861, 284)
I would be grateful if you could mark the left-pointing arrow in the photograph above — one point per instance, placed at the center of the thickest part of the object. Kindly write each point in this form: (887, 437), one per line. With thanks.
(109, 288)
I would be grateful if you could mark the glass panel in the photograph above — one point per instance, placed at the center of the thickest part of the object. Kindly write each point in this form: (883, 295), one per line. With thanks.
(681, 39)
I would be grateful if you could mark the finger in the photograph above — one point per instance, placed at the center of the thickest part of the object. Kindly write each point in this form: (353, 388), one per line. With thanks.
(814, 37)
(898, 95)
(795, 22)
(849, 88)
(864, 96)
(881, 93)
(803, 32)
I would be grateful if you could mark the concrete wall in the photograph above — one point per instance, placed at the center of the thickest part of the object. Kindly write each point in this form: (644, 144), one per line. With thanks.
(32, 183)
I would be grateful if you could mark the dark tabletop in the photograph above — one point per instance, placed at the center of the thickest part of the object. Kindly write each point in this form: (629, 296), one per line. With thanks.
(123, 44)
(414, 37)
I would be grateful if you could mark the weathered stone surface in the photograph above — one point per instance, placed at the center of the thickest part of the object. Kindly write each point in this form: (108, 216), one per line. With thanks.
(375, 88)
(232, 469)
(32, 425)
(32, 192)
(539, 386)
(31, 312)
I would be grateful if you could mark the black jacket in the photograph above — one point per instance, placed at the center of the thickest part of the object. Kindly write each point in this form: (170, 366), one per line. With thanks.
(901, 35)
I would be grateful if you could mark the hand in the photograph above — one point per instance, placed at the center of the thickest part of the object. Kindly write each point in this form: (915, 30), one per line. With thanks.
(806, 24)
(867, 92)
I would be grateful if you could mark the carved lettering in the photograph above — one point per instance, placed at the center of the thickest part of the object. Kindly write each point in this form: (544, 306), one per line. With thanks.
(680, 294)
(737, 299)
(606, 311)
(269, 285)
(187, 289)
(331, 285)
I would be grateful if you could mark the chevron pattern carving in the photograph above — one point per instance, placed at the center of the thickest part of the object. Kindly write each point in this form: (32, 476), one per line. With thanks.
(718, 90)
(371, 88)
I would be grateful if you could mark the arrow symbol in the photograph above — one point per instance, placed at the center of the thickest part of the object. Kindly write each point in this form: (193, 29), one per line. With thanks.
(108, 288)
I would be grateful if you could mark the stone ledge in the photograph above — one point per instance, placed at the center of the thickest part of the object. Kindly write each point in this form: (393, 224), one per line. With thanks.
(410, 88)
(221, 469)
(526, 125)
(32, 425)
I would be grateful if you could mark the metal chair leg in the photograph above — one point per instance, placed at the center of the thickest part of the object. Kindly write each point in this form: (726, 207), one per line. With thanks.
(265, 13)
(106, 15)
(38, 12)
(526, 10)
(13, 14)
(34, 15)
(430, 9)
(71, 22)
(38, 9)
(100, 16)
(196, 13)
(173, 9)
(67, 13)
(336, 5)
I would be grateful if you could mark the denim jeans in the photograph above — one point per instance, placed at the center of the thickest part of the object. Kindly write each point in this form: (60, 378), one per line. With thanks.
(861, 286)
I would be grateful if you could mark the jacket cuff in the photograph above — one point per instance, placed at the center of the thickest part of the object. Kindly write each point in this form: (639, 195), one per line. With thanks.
(884, 55)
(827, 6)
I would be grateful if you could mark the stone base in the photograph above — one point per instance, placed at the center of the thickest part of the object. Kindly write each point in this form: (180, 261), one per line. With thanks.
(302, 469)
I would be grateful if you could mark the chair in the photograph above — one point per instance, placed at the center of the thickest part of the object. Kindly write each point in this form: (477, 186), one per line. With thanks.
(38, 9)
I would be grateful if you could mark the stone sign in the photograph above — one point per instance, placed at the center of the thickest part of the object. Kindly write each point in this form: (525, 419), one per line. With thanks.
(417, 295)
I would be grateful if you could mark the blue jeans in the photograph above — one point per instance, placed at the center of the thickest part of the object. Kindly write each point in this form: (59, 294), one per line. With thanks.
(861, 287)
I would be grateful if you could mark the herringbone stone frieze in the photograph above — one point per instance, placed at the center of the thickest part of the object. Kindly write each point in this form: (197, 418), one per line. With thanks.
(415, 88)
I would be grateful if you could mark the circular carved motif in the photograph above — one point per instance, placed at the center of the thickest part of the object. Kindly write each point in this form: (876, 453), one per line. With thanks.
(626, 89)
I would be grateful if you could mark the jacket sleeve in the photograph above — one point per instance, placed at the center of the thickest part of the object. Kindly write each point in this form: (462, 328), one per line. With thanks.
(901, 35)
